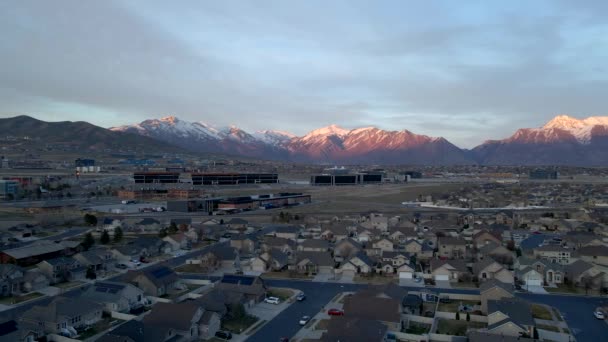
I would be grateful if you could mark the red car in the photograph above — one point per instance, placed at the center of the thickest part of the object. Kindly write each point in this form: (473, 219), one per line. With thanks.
(335, 312)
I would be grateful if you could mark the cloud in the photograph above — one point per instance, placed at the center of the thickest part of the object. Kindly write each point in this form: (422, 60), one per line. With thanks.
(468, 72)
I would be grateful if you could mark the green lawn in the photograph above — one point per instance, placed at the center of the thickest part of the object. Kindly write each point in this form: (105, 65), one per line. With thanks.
(418, 328)
(97, 328)
(238, 325)
(457, 328)
(540, 312)
(19, 299)
(558, 315)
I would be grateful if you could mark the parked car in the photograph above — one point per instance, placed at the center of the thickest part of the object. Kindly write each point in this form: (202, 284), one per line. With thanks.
(224, 335)
(417, 280)
(429, 313)
(335, 312)
(272, 300)
(300, 297)
(599, 315)
(136, 262)
(121, 266)
(445, 300)
(304, 320)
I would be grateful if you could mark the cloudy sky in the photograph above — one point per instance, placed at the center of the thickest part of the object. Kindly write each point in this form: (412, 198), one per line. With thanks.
(464, 70)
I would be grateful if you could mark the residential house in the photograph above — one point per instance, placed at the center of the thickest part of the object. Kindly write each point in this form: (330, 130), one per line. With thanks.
(184, 319)
(62, 269)
(116, 296)
(354, 330)
(346, 248)
(597, 254)
(337, 231)
(484, 237)
(152, 245)
(273, 260)
(496, 252)
(382, 245)
(480, 336)
(587, 275)
(220, 257)
(529, 276)
(448, 270)
(248, 289)
(576, 240)
(98, 259)
(34, 280)
(244, 244)
(286, 246)
(359, 263)
(155, 281)
(127, 253)
(315, 263)
(376, 221)
(510, 317)
(413, 247)
(11, 280)
(551, 272)
(178, 241)
(314, 245)
(109, 224)
(489, 269)
(395, 258)
(494, 289)
(63, 315)
(148, 224)
(402, 234)
(32, 253)
(290, 232)
(452, 248)
(554, 253)
(371, 306)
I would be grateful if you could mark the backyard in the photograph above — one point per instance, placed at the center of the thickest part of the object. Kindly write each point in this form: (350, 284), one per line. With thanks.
(238, 325)
(455, 303)
(457, 327)
(418, 328)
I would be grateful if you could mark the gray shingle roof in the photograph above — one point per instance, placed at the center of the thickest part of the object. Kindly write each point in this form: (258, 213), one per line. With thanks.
(518, 311)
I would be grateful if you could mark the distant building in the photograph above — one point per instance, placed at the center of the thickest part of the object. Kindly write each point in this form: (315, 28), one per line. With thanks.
(156, 177)
(234, 178)
(365, 177)
(84, 162)
(8, 189)
(543, 174)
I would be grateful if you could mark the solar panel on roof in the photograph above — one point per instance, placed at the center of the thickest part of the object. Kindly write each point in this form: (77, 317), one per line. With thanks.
(161, 272)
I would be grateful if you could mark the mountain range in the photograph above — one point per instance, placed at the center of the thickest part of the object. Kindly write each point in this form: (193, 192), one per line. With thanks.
(562, 141)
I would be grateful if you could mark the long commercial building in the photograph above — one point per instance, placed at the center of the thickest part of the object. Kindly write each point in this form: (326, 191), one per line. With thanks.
(156, 177)
(234, 178)
(239, 203)
(159, 194)
(347, 179)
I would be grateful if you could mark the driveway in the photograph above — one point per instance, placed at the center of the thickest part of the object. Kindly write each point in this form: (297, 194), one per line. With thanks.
(535, 289)
(444, 284)
(410, 282)
(345, 278)
(323, 278)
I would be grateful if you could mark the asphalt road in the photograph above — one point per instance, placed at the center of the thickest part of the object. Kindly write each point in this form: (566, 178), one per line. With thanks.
(577, 310)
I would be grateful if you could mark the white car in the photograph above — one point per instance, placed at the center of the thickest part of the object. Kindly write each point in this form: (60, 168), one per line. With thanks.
(272, 300)
(599, 315)
(304, 320)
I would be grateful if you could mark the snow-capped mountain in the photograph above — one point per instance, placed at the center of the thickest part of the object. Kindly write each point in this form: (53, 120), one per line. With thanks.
(331, 144)
(561, 141)
(564, 140)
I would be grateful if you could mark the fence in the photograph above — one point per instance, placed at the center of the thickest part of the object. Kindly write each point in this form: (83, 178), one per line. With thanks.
(122, 316)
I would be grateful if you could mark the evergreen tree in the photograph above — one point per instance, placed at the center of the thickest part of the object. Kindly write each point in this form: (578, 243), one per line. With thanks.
(172, 228)
(162, 233)
(105, 238)
(457, 316)
(88, 241)
(117, 234)
(90, 219)
(468, 317)
(91, 273)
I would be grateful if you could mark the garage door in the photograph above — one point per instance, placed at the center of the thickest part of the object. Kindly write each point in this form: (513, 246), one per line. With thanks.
(405, 275)
(442, 277)
(348, 273)
(325, 270)
(534, 282)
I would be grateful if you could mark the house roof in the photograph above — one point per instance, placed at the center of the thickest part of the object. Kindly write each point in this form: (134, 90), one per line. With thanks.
(363, 257)
(317, 258)
(483, 264)
(242, 284)
(600, 250)
(412, 300)
(365, 306)
(34, 249)
(278, 241)
(289, 229)
(176, 316)
(61, 307)
(348, 241)
(214, 300)
(492, 283)
(452, 241)
(279, 256)
(6, 270)
(159, 275)
(106, 291)
(518, 311)
(137, 331)
(354, 330)
(315, 243)
(577, 268)
(60, 261)
(458, 265)
(222, 252)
